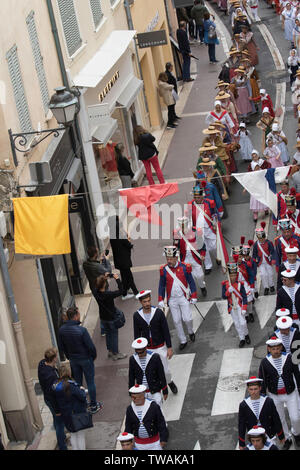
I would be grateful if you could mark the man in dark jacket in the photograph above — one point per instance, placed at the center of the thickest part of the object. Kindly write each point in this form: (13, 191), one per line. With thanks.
(197, 13)
(93, 267)
(79, 348)
(48, 375)
(288, 296)
(184, 47)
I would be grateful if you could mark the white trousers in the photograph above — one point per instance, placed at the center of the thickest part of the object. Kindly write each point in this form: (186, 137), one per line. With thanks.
(198, 274)
(211, 245)
(267, 275)
(154, 397)
(292, 404)
(240, 323)
(181, 311)
(78, 440)
(254, 12)
(154, 446)
(163, 355)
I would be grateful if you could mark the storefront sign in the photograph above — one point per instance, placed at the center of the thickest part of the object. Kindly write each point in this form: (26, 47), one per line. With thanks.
(109, 86)
(182, 3)
(154, 38)
(152, 25)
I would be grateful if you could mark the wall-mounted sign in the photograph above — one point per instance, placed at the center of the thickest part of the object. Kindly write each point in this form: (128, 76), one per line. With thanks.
(182, 3)
(151, 39)
(109, 86)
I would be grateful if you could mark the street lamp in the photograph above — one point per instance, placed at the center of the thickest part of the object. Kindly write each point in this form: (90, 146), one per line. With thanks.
(64, 105)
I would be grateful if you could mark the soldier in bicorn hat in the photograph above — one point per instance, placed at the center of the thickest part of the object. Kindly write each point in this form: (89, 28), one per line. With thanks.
(258, 410)
(264, 256)
(245, 275)
(234, 292)
(178, 285)
(151, 323)
(293, 213)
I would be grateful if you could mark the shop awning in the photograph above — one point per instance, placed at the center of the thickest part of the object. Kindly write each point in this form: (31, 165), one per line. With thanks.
(75, 174)
(106, 57)
(104, 132)
(130, 93)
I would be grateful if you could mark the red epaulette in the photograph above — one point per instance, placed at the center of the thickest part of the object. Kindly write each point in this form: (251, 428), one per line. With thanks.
(188, 268)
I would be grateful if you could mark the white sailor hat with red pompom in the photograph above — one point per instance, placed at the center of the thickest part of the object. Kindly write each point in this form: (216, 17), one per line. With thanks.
(256, 431)
(143, 293)
(282, 312)
(289, 273)
(125, 436)
(140, 343)
(138, 389)
(283, 323)
(290, 250)
(274, 341)
(253, 379)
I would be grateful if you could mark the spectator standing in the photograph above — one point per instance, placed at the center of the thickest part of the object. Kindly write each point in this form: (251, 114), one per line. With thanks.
(148, 153)
(94, 267)
(172, 81)
(209, 38)
(184, 47)
(108, 311)
(48, 375)
(124, 168)
(197, 13)
(165, 92)
(80, 350)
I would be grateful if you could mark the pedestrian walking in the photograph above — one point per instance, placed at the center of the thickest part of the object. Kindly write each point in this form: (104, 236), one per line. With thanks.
(145, 368)
(248, 40)
(150, 322)
(258, 440)
(108, 313)
(177, 284)
(243, 139)
(293, 61)
(145, 421)
(184, 47)
(266, 102)
(124, 168)
(288, 22)
(165, 91)
(280, 140)
(71, 400)
(210, 37)
(258, 409)
(281, 380)
(80, 350)
(48, 375)
(288, 334)
(147, 153)
(272, 153)
(197, 13)
(121, 248)
(264, 256)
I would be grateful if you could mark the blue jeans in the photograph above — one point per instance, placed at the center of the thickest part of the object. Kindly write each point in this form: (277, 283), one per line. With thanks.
(212, 52)
(111, 336)
(186, 66)
(59, 428)
(200, 32)
(86, 367)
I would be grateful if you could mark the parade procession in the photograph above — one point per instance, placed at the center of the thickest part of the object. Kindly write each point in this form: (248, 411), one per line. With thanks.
(150, 250)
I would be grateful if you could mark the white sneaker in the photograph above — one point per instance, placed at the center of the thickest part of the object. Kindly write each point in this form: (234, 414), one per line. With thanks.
(128, 296)
(119, 356)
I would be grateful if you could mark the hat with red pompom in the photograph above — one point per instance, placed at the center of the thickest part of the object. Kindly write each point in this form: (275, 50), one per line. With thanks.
(140, 343)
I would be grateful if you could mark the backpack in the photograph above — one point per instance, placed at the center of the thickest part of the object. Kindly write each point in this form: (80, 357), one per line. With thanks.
(212, 33)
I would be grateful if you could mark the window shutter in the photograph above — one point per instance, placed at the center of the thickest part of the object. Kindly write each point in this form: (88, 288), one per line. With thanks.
(96, 11)
(70, 25)
(38, 60)
(18, 88)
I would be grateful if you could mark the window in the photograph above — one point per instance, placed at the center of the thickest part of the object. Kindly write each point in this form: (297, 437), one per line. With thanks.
(38, 60)
(18, 88)
(96, 11)
(70, 25)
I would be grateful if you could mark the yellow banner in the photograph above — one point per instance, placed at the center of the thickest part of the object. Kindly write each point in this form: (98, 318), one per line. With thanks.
(42, 225)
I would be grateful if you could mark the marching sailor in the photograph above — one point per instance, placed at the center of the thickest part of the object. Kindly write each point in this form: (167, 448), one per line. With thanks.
(287, 239)
(204, 216)
(234, 291)
(288, 334)
(151, 323)
(145, 421)
(258, 440)
(127, 441)
(264, 255)
(177, 283)
(145, 368)
(292, 263)
(192, 250)
(258, 410)
(279, 375)
(288, 295)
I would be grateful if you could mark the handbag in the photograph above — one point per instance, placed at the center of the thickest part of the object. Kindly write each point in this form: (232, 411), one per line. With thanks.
(81, 421)
(119, 319)
(212, 33)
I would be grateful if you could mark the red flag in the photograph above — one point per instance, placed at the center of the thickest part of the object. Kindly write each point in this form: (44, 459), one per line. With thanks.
(140, 200)
(221, 248)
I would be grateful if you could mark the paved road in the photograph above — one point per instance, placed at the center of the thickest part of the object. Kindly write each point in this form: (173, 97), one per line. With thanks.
(209, 372)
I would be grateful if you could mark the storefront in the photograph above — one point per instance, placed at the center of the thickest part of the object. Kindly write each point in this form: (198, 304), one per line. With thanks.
(111, 94)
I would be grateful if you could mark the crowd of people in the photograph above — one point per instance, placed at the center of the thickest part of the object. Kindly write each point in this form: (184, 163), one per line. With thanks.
(239, 99)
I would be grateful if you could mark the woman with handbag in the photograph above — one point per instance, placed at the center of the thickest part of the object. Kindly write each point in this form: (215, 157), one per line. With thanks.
(165, 91)
(210, 37)
(110, 315)
(72, 404)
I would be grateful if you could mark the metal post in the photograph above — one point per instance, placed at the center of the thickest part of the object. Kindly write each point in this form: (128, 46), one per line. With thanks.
(46, 303)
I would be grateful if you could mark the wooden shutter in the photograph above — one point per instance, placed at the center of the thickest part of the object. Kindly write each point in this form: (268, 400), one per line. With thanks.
(96, 11)
(70, 25)
(18, 89)
(38, 60)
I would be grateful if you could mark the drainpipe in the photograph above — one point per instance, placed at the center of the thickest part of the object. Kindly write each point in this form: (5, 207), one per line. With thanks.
(17, 326)
(131, 27)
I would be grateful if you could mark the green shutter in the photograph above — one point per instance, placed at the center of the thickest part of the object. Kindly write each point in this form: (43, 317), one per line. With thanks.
(38, 60)
(70, 25)
(96, 11)
(18, 89)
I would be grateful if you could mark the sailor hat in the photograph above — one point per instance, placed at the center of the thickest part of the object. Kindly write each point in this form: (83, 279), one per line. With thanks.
(289, 273)
(256, 431)
(284, 322)
(274, 341)
(138, 389)
(262, 91)
(253, 379)
(140, 343)
(290, 250)
(282, 312)
(142, 293)
(125, 436)
(265, 110)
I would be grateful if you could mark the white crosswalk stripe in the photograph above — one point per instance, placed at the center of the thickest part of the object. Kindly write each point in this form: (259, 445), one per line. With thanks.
(204, 308)
(265, 306)
(225, 316)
